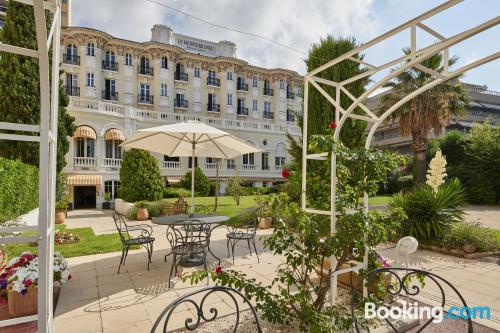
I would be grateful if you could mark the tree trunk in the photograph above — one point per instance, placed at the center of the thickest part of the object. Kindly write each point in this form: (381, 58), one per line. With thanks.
(420, 156)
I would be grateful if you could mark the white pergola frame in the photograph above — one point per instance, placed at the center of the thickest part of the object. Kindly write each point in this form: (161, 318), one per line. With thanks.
(403, 63)
(46, 135)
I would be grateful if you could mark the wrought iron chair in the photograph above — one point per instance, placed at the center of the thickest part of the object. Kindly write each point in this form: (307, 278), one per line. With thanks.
(201, 315)
(192, 238)
(235, 235)
(406, 283)
(144, 238)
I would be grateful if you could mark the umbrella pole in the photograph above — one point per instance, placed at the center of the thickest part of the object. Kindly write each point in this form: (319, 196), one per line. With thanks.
(217, 166)
(192, 175)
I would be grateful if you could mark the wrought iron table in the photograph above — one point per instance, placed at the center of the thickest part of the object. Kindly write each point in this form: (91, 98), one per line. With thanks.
(181, 220)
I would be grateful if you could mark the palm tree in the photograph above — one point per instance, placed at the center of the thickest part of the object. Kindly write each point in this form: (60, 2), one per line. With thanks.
(431, 110)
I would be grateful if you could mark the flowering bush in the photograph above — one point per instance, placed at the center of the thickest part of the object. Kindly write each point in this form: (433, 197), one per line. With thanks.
(21, 274)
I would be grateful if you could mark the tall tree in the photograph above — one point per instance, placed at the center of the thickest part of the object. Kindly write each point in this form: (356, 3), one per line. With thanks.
(431, 110)
(20, 90)
(321, 113)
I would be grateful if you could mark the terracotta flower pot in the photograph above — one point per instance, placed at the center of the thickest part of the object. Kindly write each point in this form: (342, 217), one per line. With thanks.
(142, 214)
(265, 222)
(60, 216)
(20, 305)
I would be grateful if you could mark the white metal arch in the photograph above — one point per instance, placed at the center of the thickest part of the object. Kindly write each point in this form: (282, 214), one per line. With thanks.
(46, 136)
(406, 62)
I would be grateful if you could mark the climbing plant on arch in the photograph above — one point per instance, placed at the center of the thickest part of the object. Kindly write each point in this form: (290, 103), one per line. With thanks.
(395, 66)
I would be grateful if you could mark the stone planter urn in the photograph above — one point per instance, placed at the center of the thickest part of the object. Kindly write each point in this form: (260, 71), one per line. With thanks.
(265, 222)
(142, 214)
(60, 216)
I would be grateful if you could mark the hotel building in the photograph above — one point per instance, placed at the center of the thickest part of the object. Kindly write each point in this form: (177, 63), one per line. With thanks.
(118, 86)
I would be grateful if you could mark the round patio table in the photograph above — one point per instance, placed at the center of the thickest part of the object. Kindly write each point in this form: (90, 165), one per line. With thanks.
(193, 219)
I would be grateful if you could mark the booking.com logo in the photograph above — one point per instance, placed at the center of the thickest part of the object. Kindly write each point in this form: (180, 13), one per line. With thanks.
(414, 311)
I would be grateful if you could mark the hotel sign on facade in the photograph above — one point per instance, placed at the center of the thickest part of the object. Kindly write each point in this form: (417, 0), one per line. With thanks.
(196, 46)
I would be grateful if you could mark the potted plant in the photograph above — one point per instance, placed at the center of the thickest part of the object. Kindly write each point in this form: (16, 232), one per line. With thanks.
(19, 283)
(142, 210)
(61, 209)
(263, 212)
(107, 201)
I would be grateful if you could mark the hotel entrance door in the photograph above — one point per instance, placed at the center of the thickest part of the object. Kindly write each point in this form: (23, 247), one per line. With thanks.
(85, 197)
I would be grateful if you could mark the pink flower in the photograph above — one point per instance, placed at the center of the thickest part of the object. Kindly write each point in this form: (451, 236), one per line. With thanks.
(28, 282)
(218, 269)
(332, 125)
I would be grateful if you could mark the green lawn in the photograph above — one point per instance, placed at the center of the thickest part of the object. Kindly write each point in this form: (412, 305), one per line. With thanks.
(227, 205)
(379, 200)
(89, 244)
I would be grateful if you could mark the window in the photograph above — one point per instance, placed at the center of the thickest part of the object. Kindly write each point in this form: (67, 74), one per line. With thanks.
(210, 160)
(267, 106)
(71, 50)
(90, 80)
(164, 62)
(254, 81)
(230, 76)
(212, 99)
(128, 59)
(163, 90)
(231, 165)
(197, 72)
(113, 149)
(110, 57)
(280, 156)
(265, 161)
(113, 187)
(190, 162)
(280, 161)
(84, 147)
(145, 90)
(211, 74)
(282, 84)
(90, 49)
(167, 158)
(249, 159)
(254, 107)
(229, 99)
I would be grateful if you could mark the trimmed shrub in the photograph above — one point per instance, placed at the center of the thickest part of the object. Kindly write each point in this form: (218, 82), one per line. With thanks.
(140, 176)
(484, 239)
(201, 183)
(19, 193)
(431, 214)
(176, 192)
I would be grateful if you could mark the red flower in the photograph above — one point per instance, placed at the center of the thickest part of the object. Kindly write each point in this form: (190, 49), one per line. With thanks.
(69, 277)
(218, 269)
(28, 282)
(285, 173)
(332, 125)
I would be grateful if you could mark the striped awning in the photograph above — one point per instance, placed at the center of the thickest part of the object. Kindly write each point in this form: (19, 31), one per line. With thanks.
(85, 132)
(114, 134)
(85, 180)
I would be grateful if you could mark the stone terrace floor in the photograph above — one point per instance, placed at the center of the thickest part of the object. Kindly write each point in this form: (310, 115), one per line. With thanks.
(97, 299)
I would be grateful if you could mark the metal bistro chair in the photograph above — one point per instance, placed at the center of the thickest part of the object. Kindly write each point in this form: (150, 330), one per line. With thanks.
(202, 315)
(187, 240)
(144, 239)
(235, 235)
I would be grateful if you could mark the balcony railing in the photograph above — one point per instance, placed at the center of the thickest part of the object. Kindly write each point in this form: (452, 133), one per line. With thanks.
(268, 115)
(112, 162)
(181, 76)
(146, 70)
(181, 103)
(211, 81)
(290, 95)
(73, 91)
(110, 65)
(268, 92)
(109, 95)
(85, 161)
(248, 167)
(71, 59)
(145, 99)
(278, 167)
(171, 164)
(242, 111)
(213, 107)
(230, 166)
(210, 166)
(242, 86)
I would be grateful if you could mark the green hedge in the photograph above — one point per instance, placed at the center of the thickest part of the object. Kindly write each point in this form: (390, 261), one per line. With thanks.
(201, 182)
(176, 192)
(19, 193)
(140, 177)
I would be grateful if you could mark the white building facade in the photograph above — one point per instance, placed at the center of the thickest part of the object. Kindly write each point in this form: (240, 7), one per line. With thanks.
(118, 86)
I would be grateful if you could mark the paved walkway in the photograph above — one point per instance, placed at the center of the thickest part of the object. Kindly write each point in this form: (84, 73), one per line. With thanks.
(488, 216)
(97, 299)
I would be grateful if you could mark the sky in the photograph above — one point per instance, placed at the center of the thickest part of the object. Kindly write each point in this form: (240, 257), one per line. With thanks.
(299, 24)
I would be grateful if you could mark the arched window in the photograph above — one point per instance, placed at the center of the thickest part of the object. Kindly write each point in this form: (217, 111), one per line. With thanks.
(84, 140)
(128, 59)
(113, 138)
(179, 72)
(90, 49)
(266, 84)
(110, 57)
(71, 56)
(145, 68)
(164, 62)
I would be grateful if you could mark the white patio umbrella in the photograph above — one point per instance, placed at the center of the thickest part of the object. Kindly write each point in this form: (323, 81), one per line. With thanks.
(192, 138)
